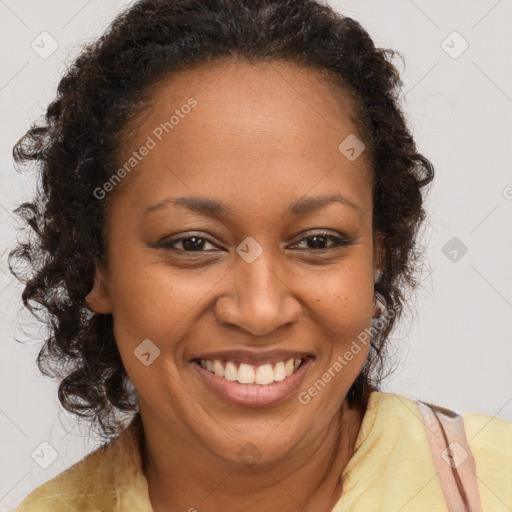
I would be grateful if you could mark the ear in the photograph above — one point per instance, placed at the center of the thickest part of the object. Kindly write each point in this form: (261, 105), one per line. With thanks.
(98, 299)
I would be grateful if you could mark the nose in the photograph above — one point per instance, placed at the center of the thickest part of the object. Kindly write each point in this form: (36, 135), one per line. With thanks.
(259, 300)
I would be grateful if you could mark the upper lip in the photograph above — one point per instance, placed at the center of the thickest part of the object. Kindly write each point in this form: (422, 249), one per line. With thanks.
(253, 358)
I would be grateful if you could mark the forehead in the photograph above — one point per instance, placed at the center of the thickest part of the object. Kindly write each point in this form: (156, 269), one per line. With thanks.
(274, 128)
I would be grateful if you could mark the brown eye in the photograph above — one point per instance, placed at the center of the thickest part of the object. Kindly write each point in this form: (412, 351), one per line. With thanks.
(320, 241)
(188, 244)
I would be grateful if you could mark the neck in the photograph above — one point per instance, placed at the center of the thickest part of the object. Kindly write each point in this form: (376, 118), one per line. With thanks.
(184, 476)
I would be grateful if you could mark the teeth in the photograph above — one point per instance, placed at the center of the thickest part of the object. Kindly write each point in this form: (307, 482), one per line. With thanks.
(218, 368)
(246, 374)
(279, 372)
(231, 372)
(264, 374)
(249, 374)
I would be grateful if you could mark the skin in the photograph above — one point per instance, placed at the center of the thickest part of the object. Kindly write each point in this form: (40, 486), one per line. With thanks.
(260, 137)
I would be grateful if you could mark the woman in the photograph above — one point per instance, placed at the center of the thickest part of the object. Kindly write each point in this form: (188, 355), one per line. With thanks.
(225, 236)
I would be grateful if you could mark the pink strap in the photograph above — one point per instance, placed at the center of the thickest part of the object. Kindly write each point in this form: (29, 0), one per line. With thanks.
(453, 460)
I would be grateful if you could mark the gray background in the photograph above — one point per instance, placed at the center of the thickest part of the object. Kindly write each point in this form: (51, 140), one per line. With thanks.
(455, 348)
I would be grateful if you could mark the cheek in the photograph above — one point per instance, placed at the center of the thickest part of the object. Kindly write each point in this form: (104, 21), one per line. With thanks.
(344, 299)
(154, 301)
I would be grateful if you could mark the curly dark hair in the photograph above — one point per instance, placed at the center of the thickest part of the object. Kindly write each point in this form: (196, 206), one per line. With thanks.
(74, 149)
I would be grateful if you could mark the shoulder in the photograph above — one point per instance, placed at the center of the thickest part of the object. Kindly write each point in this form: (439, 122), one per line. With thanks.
(483, 431)
(92, 483)
(489, 437)
(395, 409)
(392, 420)
(77, 485)
(488, 434)
(490, 441)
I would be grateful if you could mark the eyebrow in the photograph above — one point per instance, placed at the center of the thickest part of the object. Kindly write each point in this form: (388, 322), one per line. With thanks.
(214, 208)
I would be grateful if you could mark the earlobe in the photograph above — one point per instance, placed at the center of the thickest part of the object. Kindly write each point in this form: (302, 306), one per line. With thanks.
(98, 299)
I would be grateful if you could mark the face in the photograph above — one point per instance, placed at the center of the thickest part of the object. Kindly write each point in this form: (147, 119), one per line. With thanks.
(270, 257)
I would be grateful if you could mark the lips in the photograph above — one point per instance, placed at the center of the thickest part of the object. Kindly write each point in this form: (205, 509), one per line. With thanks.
(252, 379)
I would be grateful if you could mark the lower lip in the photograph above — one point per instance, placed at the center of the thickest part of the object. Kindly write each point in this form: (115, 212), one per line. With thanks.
(253, 395)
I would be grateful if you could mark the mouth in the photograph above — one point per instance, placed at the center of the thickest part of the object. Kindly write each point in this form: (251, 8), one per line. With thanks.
(243, 381)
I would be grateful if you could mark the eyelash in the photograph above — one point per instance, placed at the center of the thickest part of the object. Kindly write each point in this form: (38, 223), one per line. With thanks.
(337, 242)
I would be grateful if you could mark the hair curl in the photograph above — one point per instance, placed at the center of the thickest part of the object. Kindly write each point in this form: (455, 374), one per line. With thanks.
(74, 150)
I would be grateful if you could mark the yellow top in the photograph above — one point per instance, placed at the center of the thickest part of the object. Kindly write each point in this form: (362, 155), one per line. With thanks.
(390, 471)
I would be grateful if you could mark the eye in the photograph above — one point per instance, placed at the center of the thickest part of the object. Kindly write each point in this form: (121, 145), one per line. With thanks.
(188, 244)
(317, 241)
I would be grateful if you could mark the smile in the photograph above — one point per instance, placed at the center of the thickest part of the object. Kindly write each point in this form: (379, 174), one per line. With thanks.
(253, 385)
(249, 374)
